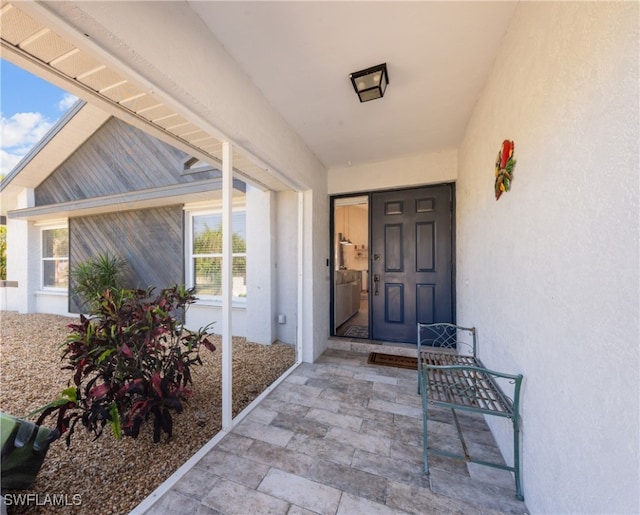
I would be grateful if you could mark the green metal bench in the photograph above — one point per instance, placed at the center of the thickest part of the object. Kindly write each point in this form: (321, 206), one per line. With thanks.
(450, 375)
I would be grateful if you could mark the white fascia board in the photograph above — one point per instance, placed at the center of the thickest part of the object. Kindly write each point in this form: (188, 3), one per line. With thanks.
(148, 198)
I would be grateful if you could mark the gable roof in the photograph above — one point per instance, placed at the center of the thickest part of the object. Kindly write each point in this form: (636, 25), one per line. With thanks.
(61, 141)
(67, 139)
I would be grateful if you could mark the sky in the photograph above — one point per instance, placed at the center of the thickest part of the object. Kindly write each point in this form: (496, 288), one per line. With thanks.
(30, 106)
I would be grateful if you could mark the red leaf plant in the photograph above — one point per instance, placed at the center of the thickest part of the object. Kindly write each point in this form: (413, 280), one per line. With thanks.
(131, 362)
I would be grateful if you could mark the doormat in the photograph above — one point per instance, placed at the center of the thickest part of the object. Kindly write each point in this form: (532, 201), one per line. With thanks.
(357, 331)
(389, 360)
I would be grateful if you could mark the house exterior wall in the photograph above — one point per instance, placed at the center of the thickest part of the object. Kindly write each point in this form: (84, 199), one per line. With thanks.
(549, 273)
(24, 266)
(286, 266)
(149, 240)
(54, 303)
(117, 159)
(152, 240)
(261, 265)
(402, 172)
(202, 314)
(17, 265)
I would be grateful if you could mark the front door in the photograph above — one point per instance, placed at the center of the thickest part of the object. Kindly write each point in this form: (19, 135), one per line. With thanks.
(411, 261)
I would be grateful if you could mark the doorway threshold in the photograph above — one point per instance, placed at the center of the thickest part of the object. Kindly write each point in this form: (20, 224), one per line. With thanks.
(366, 346)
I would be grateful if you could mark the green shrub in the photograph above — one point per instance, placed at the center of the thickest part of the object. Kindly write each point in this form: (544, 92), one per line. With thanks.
(131, 362)
(91, 278)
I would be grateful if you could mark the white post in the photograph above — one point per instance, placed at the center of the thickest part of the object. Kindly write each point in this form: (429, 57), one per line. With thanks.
(300, 270)
(227, 294)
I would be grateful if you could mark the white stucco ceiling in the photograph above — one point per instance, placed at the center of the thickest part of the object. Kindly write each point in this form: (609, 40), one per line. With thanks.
(300, 55)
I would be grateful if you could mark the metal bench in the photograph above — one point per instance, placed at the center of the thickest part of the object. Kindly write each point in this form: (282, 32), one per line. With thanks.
(450, 375)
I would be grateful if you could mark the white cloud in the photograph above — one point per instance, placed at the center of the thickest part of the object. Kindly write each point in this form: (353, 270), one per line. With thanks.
(67, 101)
(8, 161)
(23, 129)
(18, 134)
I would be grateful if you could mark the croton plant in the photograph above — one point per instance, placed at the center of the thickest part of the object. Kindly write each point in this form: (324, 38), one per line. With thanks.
(131, 362)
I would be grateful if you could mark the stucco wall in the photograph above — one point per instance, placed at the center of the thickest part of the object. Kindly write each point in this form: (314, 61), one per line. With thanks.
(549, 273)
(286, 265)
(54, 303)
(23, 258)
(262, 240)
(203, 313)
(402, 172)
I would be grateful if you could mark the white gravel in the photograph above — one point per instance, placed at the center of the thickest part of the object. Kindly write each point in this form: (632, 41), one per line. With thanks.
(113, 476)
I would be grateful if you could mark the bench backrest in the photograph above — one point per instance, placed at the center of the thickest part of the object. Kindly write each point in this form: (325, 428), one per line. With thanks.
(447, 337)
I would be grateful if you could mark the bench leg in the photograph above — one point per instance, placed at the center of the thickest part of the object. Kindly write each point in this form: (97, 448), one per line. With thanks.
(425, 436)
(516, 457)
(425, 444)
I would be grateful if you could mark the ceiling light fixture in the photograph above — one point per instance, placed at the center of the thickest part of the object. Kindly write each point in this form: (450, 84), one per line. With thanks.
(370, 83)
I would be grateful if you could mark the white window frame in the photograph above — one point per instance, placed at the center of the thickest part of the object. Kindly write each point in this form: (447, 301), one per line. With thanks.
(190, 214)
(50, 227)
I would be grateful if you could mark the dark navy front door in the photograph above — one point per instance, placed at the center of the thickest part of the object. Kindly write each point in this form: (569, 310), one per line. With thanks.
(411, 261)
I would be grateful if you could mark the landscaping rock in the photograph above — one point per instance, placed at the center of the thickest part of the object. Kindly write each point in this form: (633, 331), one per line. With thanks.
(109, 476)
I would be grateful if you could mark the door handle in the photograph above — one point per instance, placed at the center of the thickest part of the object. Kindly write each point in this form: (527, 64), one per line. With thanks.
(376, 282)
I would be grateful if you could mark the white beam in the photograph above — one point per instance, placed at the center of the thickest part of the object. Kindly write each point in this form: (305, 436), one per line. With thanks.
(300, 271)
(227, 294)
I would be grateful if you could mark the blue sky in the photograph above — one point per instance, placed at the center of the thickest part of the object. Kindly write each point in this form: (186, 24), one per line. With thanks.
(30, 106)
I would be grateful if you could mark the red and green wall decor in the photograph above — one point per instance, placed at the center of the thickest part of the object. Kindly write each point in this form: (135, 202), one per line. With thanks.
(504, 168)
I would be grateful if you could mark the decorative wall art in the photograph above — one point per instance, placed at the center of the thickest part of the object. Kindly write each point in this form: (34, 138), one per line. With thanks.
(504, 168)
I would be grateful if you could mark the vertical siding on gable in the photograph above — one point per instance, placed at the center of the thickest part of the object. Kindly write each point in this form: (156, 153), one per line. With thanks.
(150, 240)
(118, 158)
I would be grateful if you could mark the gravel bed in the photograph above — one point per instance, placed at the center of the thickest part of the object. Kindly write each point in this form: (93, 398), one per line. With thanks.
(113, 476)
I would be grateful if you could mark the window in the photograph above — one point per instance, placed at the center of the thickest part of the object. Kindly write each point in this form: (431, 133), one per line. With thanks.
(55, 257)
(205, 253)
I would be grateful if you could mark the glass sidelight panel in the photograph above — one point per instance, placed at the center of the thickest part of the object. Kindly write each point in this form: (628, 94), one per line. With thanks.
(351, 267)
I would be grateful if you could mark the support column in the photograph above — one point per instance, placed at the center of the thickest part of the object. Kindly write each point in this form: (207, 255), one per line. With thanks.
(300, 281)
(262, 240)
(227, 294)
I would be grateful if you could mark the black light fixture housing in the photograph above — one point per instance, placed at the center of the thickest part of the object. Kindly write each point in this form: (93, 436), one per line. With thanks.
(370, 83)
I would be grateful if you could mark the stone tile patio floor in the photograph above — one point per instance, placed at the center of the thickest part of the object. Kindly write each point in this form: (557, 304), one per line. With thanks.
(342, 437)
